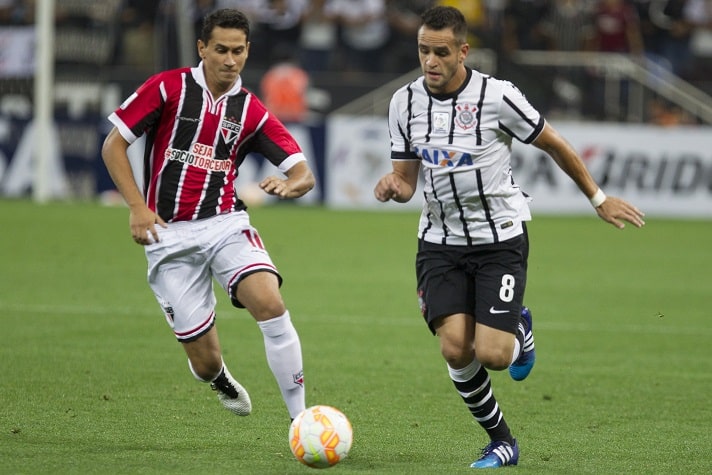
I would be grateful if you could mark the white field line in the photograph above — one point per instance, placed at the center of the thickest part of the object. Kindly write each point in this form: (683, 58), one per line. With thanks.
(652, 324)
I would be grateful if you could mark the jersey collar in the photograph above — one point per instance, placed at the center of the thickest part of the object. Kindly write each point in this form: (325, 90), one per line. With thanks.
(199, 76)
(442, 97)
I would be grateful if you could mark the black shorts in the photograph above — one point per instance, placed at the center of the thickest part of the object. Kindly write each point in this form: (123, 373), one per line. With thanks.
(485, 281)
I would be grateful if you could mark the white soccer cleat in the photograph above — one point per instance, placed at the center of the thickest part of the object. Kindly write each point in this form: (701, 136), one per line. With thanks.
(231, 394)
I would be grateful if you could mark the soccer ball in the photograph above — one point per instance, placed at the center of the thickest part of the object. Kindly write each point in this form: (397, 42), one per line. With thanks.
(320, 436)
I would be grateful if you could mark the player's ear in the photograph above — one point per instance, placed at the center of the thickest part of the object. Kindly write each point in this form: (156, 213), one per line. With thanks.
(201, 49)
(464, 49)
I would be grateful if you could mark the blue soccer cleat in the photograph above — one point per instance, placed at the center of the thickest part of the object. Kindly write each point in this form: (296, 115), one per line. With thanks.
(521, 368)
(498, 454)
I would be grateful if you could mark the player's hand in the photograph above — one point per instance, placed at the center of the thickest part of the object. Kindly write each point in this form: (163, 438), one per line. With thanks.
(387, 188)
(142, 222)
(615, 211)
(279, 187)
(299, 181)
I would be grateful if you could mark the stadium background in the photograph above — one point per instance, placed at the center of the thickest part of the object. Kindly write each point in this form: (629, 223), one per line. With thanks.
(642, 122)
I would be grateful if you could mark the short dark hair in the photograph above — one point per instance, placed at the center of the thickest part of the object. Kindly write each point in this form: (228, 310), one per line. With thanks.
(225, 18)
(440, 18)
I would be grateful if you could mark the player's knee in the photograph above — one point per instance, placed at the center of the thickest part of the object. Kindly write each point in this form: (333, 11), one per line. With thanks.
(259, 294)
(264, 306)
(495, 359)
(456, 355)
(268, 311)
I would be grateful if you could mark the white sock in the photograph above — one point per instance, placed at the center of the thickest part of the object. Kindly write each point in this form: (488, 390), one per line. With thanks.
(517, 344)
(517, 351)
(464, 374)
(284, 356)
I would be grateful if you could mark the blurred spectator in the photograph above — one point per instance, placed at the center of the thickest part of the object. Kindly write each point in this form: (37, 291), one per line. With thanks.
(671, 18)
(567, 26)
(17, 12)
(522, 28)
(494, 12)
(200, 10)
(318, 39)
(364, 33)
(137, 35)
(284, 91)
(700, 11)
(616, 28)
(249, 7)
(476, 17)
(652, 34)
(87, 33)
(277, 29)
(404, 20)
(7, 8)
(661, 112)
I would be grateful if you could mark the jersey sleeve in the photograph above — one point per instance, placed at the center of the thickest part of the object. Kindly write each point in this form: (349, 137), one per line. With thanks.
(141, 110)
(517, 117)
(272, 140)
(398, 127)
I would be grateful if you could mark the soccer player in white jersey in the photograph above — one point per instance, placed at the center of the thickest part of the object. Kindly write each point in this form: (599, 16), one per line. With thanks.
(457, 125)
(199, 124)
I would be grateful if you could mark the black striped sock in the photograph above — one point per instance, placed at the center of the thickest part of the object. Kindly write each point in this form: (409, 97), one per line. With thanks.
(473, 385)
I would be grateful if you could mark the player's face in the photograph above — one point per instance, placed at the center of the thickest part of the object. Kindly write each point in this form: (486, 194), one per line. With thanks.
(442, 59)
(223, 58)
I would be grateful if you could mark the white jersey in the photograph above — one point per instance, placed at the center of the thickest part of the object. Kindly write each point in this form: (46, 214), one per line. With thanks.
(463, 141)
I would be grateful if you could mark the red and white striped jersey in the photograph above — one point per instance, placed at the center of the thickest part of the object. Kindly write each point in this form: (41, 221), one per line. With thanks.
(195, 143)
(463, 142)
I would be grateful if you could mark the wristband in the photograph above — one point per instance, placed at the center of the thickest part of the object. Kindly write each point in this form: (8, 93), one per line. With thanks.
(598, 198)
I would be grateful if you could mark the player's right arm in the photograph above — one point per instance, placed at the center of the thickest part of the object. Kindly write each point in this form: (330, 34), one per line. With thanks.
(141, 219)
(400, 184)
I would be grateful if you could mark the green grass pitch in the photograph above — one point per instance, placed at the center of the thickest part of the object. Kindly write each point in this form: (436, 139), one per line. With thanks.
(93, 381)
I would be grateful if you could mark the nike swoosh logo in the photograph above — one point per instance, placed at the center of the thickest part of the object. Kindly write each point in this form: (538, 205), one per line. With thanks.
(495, 311)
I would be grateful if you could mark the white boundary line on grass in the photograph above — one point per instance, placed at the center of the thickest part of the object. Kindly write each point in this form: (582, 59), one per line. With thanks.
(652, 325)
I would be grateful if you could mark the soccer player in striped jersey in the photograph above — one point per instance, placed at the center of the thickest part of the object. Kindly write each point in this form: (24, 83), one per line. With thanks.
(199, 124)
(457, 125)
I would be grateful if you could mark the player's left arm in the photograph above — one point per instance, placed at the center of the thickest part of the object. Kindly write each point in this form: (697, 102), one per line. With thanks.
(611, 209)
(276, 143)
(299, 181)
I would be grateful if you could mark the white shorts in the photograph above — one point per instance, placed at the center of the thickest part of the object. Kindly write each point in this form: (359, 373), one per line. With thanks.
(189, 255)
